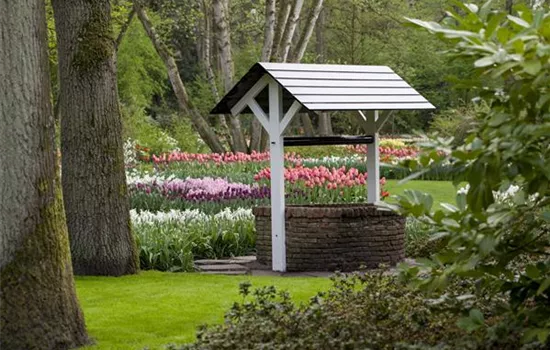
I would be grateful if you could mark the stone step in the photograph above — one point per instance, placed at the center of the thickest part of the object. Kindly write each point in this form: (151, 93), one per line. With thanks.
(224, 272)
(222, 267)
(236, 260)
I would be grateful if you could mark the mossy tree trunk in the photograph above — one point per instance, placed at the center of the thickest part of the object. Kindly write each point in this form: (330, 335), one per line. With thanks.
(38, 304)
(93, 176)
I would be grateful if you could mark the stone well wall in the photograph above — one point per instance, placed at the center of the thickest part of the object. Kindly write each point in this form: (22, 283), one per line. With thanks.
(334, 237)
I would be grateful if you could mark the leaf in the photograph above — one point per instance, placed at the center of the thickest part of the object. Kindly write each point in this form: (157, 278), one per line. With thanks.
(532, 272)
(532, 67)
(449, 207)
(450, 222)
(520, 22)
(472, 322)
(485, 61)
(543, 286)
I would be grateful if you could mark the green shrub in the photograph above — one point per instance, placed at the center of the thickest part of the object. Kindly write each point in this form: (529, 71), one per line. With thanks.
(419, 240)
(455, 122)
(146, 131)
(370, 311)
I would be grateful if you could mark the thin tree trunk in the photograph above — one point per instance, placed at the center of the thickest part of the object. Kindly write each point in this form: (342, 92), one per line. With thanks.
(282, 18)
(38, 304)
(269, 34)
(207, 60)
(269, 29)
(301, 47)
(290, 29)
(94, 179)
(325, 121)
(325, 124)
(509, 6)
(307, 124)
(226, 57)
(205, 131)
(124, 28)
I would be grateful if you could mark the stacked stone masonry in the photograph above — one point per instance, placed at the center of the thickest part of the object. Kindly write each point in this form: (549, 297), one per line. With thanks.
(334, 237)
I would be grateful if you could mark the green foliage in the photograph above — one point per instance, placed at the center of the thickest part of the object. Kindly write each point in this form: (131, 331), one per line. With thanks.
(173, 245)
(146, 132)
(500, 240)
(360, 311)
(140, 71)
(455, 122)
(188, 141)
(419, 240)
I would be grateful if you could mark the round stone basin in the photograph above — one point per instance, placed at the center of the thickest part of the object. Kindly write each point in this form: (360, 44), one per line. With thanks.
(340, 237)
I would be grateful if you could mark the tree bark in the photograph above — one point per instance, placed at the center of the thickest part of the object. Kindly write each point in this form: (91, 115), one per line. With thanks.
(509, 6)
(38, 304)
(207, 60)
(282, 18)
(205, 131)
(290, 29)
(94, 179)
(226, 57)
(301, 46)
(269, 35)
(269, 29)
(325, 120)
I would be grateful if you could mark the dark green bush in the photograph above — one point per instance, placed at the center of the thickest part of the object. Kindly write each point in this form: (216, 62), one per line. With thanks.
(360, 311)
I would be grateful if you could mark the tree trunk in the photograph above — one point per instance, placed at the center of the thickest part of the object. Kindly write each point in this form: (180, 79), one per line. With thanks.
(207, 62)
(307, 124)
(325, 121)
(205, 131)
(38, 304)
(93, 177)
(282, 18)
(226, 57)
(509, 6)
(290, 29)
(325, 124)
(269, 29)
(301, 47)
(269, 35)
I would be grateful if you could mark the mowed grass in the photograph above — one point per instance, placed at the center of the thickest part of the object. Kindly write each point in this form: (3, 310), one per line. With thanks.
(153, 309)
(441, 191)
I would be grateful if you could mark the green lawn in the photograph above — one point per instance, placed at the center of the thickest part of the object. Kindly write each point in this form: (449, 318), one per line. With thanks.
(153, 309)
(441, 191)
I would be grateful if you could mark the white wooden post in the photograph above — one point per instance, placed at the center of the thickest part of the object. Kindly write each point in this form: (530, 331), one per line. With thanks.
(373, 161)
(276, 148)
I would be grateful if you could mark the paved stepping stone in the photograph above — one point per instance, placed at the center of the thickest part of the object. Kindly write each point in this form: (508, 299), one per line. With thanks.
(222, 268)
(223, 261)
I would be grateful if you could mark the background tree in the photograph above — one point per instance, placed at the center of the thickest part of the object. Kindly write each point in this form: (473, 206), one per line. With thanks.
(94, 180)
(38, 305)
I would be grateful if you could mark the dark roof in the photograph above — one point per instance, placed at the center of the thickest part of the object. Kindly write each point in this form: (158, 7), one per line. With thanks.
(328, 87)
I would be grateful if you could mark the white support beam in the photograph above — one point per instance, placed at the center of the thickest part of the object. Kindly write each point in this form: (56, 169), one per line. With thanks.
(251, 94)
(292, 111)
(373, 160)
(259, 113)
(276, 148)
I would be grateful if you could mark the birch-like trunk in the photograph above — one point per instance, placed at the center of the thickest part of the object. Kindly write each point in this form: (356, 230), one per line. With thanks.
(301, 46)
(269, 35)
(94, 179)
(203, 128)
(290, 29)
(285, 6)
(223, 39)
(207, 60)
(38, 304)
